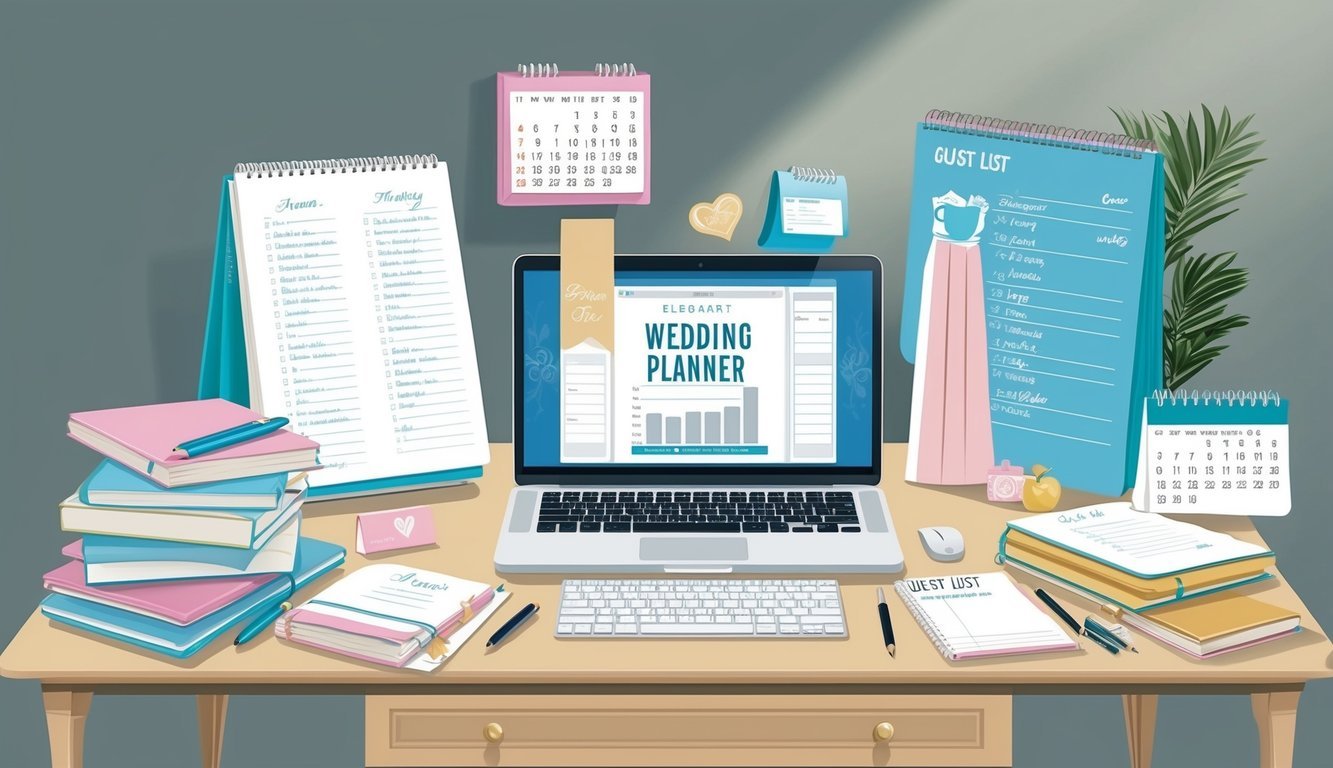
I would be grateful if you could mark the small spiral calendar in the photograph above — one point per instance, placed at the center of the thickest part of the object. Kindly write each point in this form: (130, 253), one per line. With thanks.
(573, 138)
(1219, 453)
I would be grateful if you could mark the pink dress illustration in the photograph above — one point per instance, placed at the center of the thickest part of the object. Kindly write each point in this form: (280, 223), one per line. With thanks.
(949, 442)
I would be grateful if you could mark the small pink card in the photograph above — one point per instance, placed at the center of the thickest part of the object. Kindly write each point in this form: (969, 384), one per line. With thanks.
(394, 529)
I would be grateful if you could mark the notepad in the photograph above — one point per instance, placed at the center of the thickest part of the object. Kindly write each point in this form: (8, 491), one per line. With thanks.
(979, 615)
(1144, 545)
(356, 317)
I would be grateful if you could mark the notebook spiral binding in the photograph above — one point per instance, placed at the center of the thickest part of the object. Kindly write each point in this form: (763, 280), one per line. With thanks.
(538, 70)
(624, 69)
(1217, 397)
(927, 624)
(343, 165)
(820, 175)
(1038, 133)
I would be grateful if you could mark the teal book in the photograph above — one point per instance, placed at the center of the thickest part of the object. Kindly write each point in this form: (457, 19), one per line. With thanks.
(314, 559)
(1068, 232)
(120, 560)
(216, 526)
(115, 485)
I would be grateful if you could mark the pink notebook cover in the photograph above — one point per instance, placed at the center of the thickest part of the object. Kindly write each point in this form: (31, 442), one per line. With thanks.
(151, 431)
(179, 602)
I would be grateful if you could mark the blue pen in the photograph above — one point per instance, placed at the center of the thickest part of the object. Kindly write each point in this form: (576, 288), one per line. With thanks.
(228, 437)
(262, 623)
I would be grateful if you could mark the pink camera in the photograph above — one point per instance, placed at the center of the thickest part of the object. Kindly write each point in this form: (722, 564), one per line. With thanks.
(1004, 483)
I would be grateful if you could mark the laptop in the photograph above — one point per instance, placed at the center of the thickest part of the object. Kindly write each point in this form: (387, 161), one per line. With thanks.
(735, 429)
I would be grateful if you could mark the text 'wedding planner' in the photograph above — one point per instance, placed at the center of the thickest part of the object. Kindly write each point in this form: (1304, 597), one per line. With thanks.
(356, 320)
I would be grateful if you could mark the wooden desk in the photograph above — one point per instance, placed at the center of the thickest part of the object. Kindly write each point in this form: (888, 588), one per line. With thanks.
(662, 702)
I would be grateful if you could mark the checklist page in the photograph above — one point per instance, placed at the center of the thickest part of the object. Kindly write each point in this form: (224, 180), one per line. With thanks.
(357, 322)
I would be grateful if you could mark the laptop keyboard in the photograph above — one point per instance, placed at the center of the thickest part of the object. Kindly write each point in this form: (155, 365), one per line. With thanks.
(698, 511)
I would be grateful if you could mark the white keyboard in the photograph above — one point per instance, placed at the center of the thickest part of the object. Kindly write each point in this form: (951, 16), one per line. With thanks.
(700, 608)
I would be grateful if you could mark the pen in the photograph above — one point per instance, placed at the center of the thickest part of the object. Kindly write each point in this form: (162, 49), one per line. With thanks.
(1073, 624)
(886, 624)
(228, 437)
(1096, 627)
(262, 623)
(527, 612)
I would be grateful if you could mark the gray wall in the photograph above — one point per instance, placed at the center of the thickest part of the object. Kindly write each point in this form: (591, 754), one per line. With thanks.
(118, 119)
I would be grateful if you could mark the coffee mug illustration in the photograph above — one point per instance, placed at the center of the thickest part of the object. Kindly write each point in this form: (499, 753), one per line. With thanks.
(958, 219)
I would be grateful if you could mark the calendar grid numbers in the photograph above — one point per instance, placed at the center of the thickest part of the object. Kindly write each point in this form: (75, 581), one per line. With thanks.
(1213, 453)
(571, 138)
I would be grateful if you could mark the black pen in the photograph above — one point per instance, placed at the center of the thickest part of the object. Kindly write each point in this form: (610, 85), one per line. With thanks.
(886, 624)
(1073, 624)
(527, 612)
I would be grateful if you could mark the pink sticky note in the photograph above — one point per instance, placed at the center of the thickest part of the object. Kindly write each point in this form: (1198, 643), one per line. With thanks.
(394, 529)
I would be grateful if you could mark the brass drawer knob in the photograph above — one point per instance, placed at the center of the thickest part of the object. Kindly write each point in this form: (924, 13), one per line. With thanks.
(495, 734)
(884, 732)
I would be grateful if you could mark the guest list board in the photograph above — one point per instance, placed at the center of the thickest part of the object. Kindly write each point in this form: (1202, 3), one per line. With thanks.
(1070, 227)
(573, 138)
(356, 316)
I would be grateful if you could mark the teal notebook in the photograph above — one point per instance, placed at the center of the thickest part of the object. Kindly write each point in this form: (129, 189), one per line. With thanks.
(114, 485)
(224, 369)
(1071, 230)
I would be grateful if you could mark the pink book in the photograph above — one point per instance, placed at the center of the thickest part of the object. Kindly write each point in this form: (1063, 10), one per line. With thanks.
(179, 602)
(142, 438)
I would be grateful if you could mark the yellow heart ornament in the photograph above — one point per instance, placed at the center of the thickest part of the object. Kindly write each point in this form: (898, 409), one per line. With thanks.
(718, 218)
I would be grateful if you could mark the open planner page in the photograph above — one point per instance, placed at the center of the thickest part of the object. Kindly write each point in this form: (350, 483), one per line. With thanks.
(356, 318)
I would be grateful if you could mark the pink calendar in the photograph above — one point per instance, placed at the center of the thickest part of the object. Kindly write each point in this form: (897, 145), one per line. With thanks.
(573, 138)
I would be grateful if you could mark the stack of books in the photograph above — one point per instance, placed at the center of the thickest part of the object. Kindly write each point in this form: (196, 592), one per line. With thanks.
(176, 550)
(1171, 580)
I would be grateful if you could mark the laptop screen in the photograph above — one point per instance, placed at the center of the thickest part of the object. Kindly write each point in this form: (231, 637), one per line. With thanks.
(714, 369)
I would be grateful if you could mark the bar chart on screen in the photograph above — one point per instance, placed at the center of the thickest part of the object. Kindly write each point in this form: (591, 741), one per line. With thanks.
(695, 419)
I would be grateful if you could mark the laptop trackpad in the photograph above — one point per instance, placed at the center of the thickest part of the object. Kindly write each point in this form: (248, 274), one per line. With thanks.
(694, 548)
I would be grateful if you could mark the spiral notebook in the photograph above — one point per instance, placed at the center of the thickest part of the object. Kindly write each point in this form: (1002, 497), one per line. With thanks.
(1034, 258)
(985, 614)
(339, 302)
(573, 138)
(1217, 453)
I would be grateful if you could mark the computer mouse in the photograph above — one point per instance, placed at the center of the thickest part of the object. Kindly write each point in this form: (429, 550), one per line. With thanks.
(942, 543)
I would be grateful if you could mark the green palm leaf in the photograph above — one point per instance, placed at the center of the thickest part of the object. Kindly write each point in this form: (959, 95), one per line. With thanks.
(1205, 159)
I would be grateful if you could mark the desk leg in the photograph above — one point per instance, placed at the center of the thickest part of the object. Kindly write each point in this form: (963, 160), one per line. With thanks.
(212, 720)
(1275, 713)
(1140, 724)
(66, 715)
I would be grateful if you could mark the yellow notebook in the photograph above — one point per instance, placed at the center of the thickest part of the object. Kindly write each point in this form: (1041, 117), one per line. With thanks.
(1214, 624)
(1075, 567)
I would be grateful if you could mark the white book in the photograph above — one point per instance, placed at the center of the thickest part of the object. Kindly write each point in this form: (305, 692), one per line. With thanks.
(1138, 543)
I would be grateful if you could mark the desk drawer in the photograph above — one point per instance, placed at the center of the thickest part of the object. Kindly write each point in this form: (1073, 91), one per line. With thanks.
(681, 729)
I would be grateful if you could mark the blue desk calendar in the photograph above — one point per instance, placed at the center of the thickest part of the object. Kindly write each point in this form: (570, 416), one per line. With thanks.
(807, 210)
(1070, 226)
(1215, 453)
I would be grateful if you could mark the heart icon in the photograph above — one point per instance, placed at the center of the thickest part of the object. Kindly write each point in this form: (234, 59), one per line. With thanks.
(404, 525)
(718, 218)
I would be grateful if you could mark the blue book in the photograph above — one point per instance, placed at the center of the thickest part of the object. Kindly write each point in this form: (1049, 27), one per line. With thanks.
(239, 528)
(1069, 228)
(122, 560)
(314, 559)
(114, 485)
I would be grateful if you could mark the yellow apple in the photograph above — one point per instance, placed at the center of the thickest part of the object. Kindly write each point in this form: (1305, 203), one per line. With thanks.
(1041, 491)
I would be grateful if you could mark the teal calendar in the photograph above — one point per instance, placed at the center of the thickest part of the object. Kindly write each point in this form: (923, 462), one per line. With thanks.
(1032, 303)
(1215, 453)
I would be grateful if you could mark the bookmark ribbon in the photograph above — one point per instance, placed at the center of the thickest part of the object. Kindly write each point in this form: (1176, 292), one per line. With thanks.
(587, 282)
